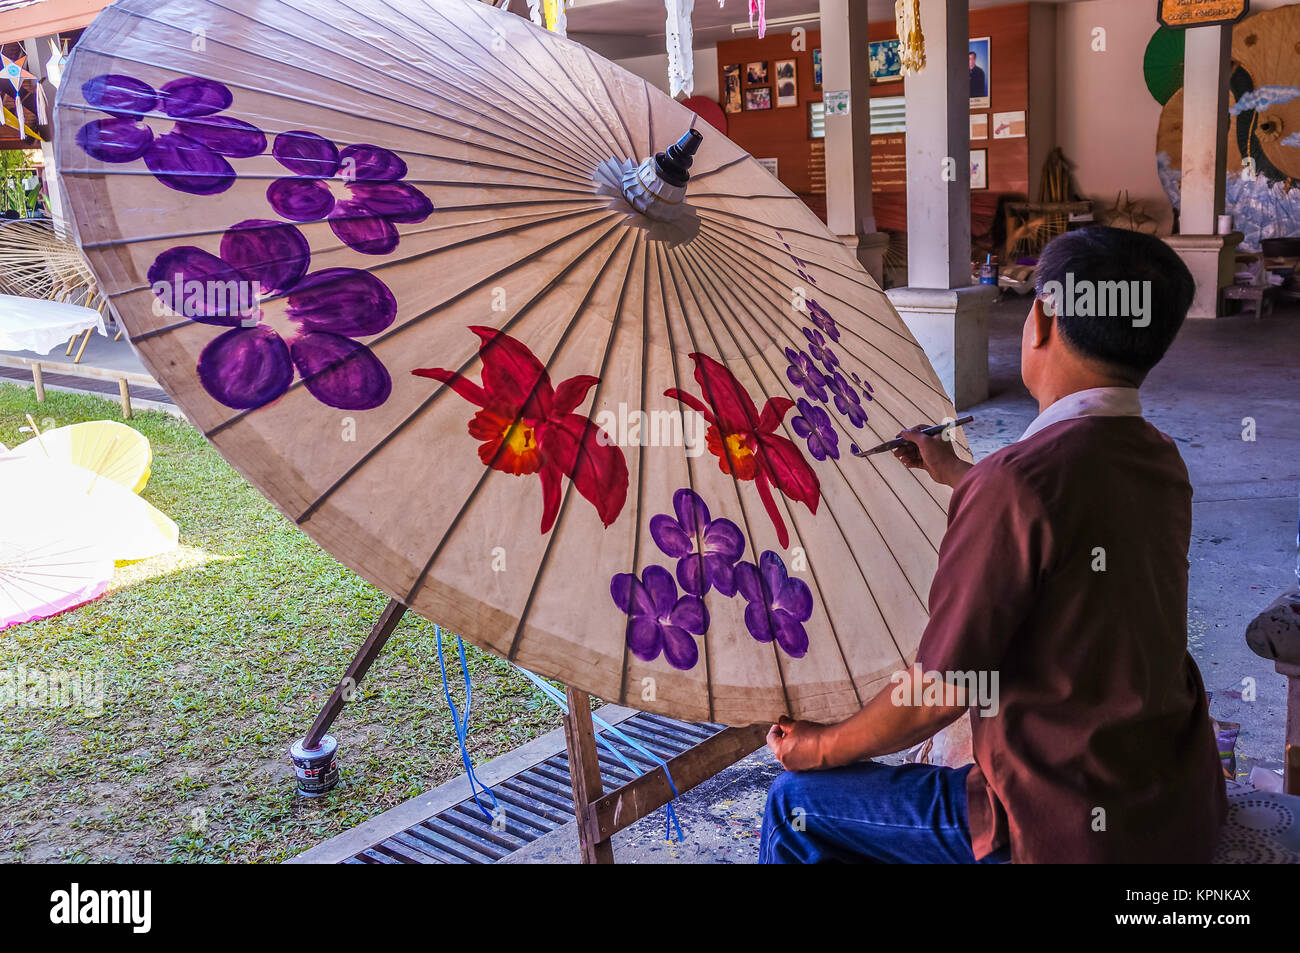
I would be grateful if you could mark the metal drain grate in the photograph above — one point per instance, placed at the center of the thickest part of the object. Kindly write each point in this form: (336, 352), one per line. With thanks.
(536, 801)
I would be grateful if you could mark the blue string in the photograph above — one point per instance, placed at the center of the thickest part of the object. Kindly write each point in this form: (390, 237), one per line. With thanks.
(670, 816)
(462, 726)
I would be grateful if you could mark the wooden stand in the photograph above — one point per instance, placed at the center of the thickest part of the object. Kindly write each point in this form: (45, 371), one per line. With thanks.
(599, 815)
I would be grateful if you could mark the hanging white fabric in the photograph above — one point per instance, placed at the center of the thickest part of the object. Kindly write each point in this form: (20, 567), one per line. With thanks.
(681, 59)
(759, 7)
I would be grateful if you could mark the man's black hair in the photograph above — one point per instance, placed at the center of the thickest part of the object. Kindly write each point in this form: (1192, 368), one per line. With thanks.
(1100, 256)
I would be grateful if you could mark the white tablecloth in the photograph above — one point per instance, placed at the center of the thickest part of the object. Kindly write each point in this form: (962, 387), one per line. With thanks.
(30, 324)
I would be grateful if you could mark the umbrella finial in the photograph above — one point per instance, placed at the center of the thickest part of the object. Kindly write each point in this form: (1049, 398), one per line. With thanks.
(657, 187)
(675, 164)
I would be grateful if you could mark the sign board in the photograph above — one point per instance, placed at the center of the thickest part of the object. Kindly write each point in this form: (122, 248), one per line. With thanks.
(1183, 14)
(836, 102)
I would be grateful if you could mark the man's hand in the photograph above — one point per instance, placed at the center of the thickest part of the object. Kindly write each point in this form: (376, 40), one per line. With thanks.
(797, 744)
(935, 455)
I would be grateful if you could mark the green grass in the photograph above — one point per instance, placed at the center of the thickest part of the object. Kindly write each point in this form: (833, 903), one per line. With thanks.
(215, 659)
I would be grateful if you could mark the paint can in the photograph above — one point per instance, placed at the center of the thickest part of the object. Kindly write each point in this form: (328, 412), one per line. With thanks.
(317, 769)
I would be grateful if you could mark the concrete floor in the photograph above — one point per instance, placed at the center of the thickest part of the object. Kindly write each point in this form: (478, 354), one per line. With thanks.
(1243, 553)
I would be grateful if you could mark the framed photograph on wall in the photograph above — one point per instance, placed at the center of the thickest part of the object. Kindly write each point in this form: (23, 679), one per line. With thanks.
(756, 73)
(817, 69)
(979, 169)
(886, 62)
(979, 125)
(760, 98)
(1009, 125)
(980, 75)
(787, 85)
(732, 101)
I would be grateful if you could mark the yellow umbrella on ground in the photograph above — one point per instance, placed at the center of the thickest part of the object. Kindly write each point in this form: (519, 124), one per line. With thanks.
(113, 450)
(121, 526)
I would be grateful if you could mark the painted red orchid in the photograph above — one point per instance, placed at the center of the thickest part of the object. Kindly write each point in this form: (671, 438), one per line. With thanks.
(527, 426)
(746, 442)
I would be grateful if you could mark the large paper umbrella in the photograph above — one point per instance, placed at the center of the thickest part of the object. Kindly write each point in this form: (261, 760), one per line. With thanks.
(434, 282)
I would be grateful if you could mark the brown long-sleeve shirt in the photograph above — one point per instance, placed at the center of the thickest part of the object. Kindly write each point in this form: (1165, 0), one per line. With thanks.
(1064, 569)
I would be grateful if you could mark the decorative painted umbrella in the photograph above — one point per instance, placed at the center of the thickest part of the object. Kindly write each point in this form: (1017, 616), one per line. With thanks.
(454, 293)
(112, 450)
(47, 565)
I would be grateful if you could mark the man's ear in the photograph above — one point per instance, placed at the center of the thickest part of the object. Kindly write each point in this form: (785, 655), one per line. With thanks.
(1043, 325)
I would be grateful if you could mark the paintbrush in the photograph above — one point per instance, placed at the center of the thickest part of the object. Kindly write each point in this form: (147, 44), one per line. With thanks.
(899, 441)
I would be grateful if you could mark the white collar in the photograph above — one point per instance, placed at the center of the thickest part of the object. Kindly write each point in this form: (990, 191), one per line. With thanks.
(1094, 402)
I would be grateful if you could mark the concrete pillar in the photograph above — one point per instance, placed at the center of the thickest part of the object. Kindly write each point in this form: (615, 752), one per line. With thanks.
(945, 313)
(938, 151)
(849, 212)
(1209, 257)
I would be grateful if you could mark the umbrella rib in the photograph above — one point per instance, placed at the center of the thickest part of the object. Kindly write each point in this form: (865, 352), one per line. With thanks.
(277, 95)
(487, 469)
(640, 467)
(187, 322)
(587, 134)
(631, 152)
(696, 176)
(869, 287)
(708, 397)
(766, 277)
(789, 514)
(722, 262)
(549, 48)
(541, 136)
(595, 397)
(424, 405)
(844, 479)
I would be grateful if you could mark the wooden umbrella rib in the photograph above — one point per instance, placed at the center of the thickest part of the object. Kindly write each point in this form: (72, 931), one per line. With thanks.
(487, 469)
(595, 398)
(550, 51)
(927, 385)
(723, 262)
(839, 526)
(390, 99)
(387, 438)
(382, 77)
(715, 302)
(542, 94)
(631, 152)
(661, 268)
(391, 263)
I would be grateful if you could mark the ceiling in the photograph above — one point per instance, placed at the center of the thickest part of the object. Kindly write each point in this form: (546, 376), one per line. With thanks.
(624, 28)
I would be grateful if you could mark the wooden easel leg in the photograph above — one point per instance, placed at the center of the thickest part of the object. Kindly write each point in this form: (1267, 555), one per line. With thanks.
(584, 769)
(356, 671)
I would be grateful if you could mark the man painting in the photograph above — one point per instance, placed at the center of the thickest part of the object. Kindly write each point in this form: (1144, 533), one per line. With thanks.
(1064, 572)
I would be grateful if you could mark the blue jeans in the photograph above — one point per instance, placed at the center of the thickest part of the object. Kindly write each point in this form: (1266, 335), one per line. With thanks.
(870, 813)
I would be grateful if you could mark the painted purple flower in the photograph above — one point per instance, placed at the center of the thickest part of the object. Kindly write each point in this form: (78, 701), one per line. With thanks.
(815, 425)
(778, 605)
(847, 400)
(658, 621)
(822, 318)
(803, 373)
(721, 543)
(378, 201)
(191, 157)
(820, 349)
(250, 365)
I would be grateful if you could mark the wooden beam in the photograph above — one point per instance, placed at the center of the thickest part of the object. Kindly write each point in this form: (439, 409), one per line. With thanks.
(584, 769)
(651, 791)
(38, 381)
(124, 389)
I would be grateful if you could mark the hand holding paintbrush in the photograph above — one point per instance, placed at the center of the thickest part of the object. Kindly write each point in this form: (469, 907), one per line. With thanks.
(928, 448)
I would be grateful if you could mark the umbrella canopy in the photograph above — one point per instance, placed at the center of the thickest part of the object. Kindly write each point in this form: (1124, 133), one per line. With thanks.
(107, 517)
(47, 565)
(434, 281)
(113, 450)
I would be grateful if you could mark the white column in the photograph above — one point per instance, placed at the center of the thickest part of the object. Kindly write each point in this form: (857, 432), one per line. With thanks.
(845, 66)
(1205, 127)
(938, 151)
